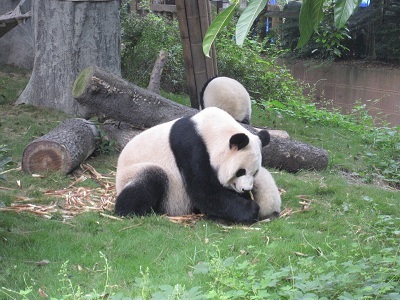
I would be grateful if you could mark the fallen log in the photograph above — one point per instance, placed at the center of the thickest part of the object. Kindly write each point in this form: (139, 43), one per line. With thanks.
(110, 97)
(119, 132)
(293, 156)
(62, 149)
(281, 153)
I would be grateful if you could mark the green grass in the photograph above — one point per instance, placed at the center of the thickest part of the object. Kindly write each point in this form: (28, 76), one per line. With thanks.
(344, 247)
(12, 83)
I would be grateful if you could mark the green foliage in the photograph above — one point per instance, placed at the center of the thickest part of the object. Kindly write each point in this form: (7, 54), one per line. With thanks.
(386, 164)
(311, 14)
(105, 145)
(148, 290)
(220, 22)
(326, 42)
(247, 19)
(345, 246)
(381, 145)
(343, 11)
(68, 289)
(255, 67)
(330, 39)
(12, 83)
(143, 37)
(241, 278)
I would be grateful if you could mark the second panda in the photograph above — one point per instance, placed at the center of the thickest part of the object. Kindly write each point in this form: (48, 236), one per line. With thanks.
(229, 95)
(199, 164)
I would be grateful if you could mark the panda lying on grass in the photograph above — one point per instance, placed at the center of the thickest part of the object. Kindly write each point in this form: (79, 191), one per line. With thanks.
(200, 164)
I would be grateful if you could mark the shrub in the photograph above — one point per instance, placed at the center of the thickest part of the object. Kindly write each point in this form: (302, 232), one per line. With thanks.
(256, 67)
(143, 37)
(253, 65)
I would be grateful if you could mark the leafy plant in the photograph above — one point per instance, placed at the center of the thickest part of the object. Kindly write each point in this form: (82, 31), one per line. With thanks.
(241, 278)
(311, 14)
(329, 38)
(262, 76)
(387, 140)
(105, 145)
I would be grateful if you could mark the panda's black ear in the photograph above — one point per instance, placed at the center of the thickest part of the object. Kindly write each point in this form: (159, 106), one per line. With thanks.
(238, 141)
(264, 137)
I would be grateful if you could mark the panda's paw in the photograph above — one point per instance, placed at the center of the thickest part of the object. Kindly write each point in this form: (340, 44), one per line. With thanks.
(249, 214)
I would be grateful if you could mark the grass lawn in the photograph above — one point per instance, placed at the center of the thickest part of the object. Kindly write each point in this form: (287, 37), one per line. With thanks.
(344, 246)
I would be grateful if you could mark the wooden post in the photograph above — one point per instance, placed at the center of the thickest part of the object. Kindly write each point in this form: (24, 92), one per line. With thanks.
(194, 18)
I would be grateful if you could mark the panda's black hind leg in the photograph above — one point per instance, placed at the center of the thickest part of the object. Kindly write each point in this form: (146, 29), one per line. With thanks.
(144, 194)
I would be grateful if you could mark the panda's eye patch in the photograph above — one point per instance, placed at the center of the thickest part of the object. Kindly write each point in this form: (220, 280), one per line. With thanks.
(240, 172)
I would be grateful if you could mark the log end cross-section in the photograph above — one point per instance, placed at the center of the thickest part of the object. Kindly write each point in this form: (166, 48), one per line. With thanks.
(63, 149)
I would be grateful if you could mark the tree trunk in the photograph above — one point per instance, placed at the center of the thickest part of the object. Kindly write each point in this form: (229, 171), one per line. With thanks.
(111, 97)
(69, 36)
(155, 77)
(62, 149)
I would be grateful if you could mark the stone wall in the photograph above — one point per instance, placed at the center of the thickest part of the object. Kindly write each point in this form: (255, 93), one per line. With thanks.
(349, 84)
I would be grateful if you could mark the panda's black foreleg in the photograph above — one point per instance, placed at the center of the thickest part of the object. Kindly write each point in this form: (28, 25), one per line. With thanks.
(230, 206)
(144, 195)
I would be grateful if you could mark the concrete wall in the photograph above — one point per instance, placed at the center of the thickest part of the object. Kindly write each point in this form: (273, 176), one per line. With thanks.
(345, 84)
(16, 46)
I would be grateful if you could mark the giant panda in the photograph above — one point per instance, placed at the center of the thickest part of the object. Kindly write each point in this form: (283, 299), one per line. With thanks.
(227, 94)
(199, 164)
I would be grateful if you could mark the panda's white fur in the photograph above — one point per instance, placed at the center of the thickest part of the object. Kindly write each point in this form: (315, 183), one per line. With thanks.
(229, 95)
(191, 165)
(266, 194)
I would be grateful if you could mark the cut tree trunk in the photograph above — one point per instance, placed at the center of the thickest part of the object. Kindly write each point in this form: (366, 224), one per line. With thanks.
(70, 35)
(155, 77)
(292, 156)
(62, 149)
(111, 97)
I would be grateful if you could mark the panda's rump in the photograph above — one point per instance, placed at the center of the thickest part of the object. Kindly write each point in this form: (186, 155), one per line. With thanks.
(229, 95)
(148, 150)
(144, 192)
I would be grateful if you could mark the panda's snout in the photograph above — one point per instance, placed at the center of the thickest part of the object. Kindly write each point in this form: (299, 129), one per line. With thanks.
(243, 187)
(242, 190)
